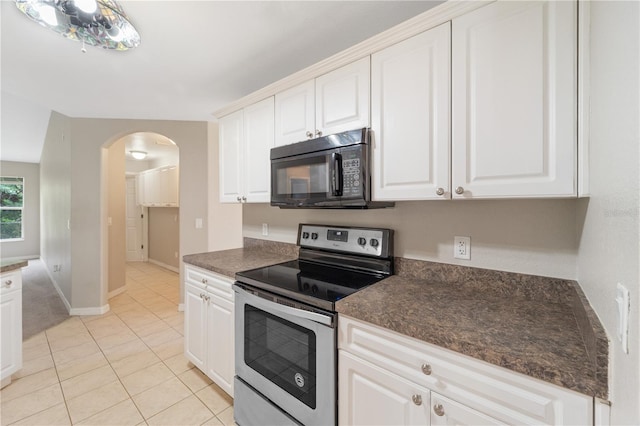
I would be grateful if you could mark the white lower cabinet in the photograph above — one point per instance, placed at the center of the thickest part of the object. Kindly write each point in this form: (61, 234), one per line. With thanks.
(11, 323)
(385, 378)
(209, 325)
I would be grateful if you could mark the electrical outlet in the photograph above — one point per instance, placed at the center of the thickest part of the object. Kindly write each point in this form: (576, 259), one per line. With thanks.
(462, 248)
(265, 229)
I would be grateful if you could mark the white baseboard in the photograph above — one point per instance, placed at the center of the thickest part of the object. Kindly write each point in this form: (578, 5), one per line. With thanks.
(90, 311)
(58, 290)
(164, 265)
(116, 292)
(181, 307)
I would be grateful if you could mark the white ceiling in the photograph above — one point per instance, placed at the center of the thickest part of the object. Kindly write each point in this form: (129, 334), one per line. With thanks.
(195, 57)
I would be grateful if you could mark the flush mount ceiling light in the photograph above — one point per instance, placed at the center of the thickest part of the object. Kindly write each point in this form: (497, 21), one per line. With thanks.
(138, 155)
(100, 23)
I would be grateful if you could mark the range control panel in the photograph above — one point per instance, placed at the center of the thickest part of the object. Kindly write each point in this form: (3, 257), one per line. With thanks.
(354, 240)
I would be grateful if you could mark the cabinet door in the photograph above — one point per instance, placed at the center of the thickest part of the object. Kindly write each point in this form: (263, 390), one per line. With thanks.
(410, 113)
(220, 349)
(231, 166)
(370, 395)
(295, 114)
(514, 100)
(446, 412)
(258, 141)
(195, 331)
(342, 98)
(167, 186)
(11, 328)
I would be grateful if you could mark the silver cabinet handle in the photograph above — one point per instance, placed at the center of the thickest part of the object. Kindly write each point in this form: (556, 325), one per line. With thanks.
(426, 369)
(318, 133)
(438, 409)
(8, 283)
(309, 135)
(202, 296)
(239, 199)
(417, 399)
(459, 190)
(440, 191)
(204, 281)
(244, 199)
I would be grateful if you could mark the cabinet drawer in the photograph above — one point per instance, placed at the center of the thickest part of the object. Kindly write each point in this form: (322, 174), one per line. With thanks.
(11, 281)
(212, 282)
(505, 395)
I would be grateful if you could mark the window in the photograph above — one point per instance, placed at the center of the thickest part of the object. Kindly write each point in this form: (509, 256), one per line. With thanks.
(11, 207)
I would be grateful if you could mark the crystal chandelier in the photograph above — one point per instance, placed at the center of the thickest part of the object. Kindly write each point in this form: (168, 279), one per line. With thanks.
(96, 22)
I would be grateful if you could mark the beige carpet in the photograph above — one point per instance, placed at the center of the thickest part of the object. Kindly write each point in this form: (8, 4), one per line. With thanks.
(42, 308)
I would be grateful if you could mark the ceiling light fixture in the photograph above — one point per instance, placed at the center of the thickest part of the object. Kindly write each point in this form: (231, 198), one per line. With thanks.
(138, 155)
(100, 23)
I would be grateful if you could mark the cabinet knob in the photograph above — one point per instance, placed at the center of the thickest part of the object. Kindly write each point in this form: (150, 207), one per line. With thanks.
(204, 281)
(309, 135)
(244, 199)
(318, 133)
(417, 399)
(202, 296)
(438, 409)
(459, 190)
(8, 283)
(440, 191)
(239, 199)
(426, 369)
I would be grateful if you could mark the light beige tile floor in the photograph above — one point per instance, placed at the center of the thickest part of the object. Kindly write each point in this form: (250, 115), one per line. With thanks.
(125, 367)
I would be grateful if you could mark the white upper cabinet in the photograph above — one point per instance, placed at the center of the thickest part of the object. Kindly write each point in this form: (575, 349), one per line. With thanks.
(258, 141)
(246, 137)
(158, 187)
(334, 102)
(514, 100)
(231, 152)
(410, 118)
(342, 98)
(295, 113)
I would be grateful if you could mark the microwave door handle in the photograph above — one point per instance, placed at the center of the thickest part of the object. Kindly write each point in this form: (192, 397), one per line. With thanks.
(336, 178)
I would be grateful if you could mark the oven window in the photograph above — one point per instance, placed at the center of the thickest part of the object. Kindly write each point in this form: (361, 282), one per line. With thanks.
(282, 352)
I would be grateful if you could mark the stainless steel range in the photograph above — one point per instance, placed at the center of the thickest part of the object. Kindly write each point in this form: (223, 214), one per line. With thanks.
(285, 324)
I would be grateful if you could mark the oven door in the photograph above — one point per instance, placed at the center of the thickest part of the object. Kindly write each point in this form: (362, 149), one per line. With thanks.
(288, 355)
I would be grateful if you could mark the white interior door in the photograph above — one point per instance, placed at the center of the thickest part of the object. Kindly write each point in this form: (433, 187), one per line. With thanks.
(134, 224)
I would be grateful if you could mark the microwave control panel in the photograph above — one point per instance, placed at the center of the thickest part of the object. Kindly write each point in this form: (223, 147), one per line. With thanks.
(369, 241)
(352, 164)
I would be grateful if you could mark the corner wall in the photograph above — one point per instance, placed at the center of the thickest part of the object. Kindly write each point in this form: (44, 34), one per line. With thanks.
(609, 251)
(116, 216)
(164, 236)
(29, 247)
(55, 203)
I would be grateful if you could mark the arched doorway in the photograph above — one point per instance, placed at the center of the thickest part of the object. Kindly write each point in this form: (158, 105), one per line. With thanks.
(142, 204)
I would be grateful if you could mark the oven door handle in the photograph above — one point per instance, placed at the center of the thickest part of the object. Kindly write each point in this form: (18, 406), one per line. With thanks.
(271, 305)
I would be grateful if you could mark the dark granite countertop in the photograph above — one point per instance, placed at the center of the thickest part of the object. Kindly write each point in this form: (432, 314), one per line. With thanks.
(542, 327)
(10, 265)
(533, 325)
(255, 254)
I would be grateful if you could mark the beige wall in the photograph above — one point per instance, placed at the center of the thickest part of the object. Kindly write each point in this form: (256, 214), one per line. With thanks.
(55, 203)
(74, 176)
(609, 241)
(116, 216)
(29, 247)
(527, 236)
(164, 235)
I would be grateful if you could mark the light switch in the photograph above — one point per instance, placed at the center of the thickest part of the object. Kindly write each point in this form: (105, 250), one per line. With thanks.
(622, 302)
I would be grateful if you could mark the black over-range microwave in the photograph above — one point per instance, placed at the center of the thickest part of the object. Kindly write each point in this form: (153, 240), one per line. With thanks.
(327, 172)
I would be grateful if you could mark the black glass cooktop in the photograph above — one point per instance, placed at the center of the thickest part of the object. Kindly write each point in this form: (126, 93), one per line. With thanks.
(316, 284)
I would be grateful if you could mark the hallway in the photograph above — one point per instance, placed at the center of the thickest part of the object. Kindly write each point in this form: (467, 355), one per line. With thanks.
(122, 368)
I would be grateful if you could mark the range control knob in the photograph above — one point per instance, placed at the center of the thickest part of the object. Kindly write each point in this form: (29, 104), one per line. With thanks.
(305, 235)
(362, 241)
(374, 242)
(314, 236)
